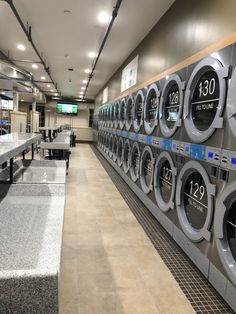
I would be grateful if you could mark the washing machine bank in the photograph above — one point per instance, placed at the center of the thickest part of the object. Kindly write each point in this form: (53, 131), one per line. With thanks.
(176, 148)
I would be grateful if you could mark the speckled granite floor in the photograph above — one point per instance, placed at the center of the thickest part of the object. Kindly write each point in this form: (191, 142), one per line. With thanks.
(108, 263)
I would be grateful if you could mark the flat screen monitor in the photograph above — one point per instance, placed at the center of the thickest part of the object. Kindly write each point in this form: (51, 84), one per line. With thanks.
(67, 108)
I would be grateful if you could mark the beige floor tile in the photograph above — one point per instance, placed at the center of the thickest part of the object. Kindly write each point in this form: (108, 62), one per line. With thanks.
(109, 265)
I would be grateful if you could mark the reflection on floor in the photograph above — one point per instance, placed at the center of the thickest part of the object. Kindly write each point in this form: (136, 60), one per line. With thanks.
(108, 263)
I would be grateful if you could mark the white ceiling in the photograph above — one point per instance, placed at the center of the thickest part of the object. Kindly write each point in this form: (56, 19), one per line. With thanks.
(56, 34)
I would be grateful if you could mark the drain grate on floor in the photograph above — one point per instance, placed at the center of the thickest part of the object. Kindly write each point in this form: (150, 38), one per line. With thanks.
(202, 296)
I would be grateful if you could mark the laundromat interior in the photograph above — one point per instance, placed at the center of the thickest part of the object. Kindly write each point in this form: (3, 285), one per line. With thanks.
(117, 157)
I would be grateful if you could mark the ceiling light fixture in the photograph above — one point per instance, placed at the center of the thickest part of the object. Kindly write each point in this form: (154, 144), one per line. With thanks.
(87, 71)
(81, 93)
(83, 88)
(48, 85)
(55, 94)
(22, 100)
(84, 81)
(43, 78)
(91, 55)
(103, 17)
(21, 47)
(67, 12)
(34, 66)
(3, 93)
(51, 90)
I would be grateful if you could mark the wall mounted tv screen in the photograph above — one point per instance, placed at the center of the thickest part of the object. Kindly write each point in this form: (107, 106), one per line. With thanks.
(66, 108)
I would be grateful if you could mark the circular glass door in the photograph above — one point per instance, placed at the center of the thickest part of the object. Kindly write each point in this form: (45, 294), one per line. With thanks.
(138, 111)
(122, 113)
(110, 152)
(231, 104)
(164, 181)
(146, 169)
(171, 105)
(225, 229)
(126, 156)
(134, 162)
(112, 115)
(120, 147)
(194, 199)
(116, 117)
(151, 109)
(204, 99)
(114, 148)
(128, 113)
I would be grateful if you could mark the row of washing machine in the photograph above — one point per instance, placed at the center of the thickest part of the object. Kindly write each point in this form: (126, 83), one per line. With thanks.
(195, 201)
(174, 143)
(196, 104)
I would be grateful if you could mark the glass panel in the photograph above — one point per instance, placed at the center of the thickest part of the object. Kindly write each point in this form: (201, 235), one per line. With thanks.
(231, 228)
(129, 110)
(147, 169)
(126, 155)
(138, 109)
(195, 200)
(135, 160)
(205, 100)
(165, 181)
(151, 107)
(171, 105)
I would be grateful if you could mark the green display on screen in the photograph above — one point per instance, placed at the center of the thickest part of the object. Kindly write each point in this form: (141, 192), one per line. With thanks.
(65, 108)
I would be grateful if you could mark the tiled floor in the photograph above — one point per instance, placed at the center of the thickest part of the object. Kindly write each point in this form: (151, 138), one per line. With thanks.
(108, 263)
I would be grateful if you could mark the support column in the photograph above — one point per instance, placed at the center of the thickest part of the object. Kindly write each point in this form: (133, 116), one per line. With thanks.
(33, 128)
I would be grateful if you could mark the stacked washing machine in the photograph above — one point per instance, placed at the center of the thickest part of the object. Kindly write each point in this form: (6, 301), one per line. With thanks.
(174, 143)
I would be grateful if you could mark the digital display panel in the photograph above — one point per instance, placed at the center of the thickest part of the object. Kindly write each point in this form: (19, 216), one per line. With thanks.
(172, 105)
(205, 100)
(165, 180)
(195, 200)
(66, 108)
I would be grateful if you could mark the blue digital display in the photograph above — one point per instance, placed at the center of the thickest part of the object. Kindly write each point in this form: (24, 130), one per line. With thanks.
(210, 155)
(166, 144)
(136, 136)
(197, 151)
(187, 149)
(233, 161)
(174, 146)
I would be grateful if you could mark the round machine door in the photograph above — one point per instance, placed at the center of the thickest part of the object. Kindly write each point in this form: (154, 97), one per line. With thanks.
(138, 111)
(120, 147)
(194, 200)
(126, 156)
(114, 148)
(151, 109)
(128, 112)
(231, 104)
(171, 105)
(122, 113)
(99, 139)
(116, 116)
(109, 116)
(225, 229)
(146, 170)
(165, 181)
(112, 115)
(135, 162)
(204, 99)
(110, 152)
(107, 136)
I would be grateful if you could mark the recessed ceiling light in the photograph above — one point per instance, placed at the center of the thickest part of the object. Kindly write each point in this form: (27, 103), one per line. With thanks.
(84, 81)
(22, 100)
(83, 88)
(43, 78)
(51, 90)
(3, 93)
(48, 85)
(67, 12)
(103, 17)
(81, 93)
(87, 71)
(34, 66)
(91, 54)
(21, 47)
(56, 94)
